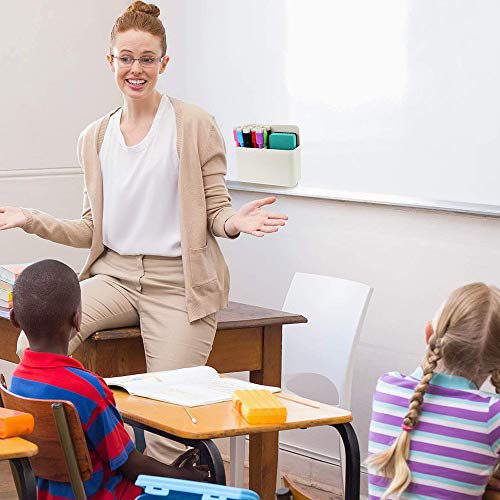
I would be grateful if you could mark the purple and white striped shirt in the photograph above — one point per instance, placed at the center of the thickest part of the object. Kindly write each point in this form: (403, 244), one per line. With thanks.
(455, 444)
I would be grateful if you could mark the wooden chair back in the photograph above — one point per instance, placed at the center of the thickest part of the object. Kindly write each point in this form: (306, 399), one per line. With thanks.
(50, 463)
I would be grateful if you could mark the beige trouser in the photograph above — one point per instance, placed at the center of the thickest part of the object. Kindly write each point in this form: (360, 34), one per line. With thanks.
(127, 290)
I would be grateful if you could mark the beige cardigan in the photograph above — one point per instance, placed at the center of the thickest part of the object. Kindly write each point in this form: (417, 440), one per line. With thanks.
(205, 206)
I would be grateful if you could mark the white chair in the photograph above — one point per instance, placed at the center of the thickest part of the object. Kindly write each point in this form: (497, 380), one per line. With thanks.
(317, 357)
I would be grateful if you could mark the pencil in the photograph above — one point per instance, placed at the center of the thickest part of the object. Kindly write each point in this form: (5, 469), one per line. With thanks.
(190, 416)
(298, 402)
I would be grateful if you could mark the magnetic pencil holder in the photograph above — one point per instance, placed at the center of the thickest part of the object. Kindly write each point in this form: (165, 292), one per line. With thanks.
(276, 167)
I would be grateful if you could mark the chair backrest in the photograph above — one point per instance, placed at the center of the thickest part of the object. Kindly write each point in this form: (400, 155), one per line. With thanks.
(50, 463)
(318, 354)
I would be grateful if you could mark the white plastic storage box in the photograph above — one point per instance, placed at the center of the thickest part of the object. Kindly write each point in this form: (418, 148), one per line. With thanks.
(275, 167)
(166, 488)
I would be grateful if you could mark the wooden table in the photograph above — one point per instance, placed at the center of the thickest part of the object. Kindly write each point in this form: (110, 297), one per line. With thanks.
(17, 451)
(222, 420)
(248, 338)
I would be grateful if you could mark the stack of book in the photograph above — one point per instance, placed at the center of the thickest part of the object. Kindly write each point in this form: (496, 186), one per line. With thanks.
(8, 275)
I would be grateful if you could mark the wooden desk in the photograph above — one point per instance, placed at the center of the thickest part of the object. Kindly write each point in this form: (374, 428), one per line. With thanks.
(221, 420)
(248, 338)
(17, 451)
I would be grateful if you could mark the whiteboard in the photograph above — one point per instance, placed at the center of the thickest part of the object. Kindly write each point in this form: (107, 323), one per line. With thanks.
(392, 97)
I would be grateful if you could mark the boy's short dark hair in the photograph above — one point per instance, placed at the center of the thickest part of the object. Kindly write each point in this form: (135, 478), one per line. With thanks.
(46, 295)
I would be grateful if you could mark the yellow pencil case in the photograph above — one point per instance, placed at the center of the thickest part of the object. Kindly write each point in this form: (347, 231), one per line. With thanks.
(259, 406)
(15, 423)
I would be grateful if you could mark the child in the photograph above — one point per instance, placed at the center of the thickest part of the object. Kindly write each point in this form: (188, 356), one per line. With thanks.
(434, 434)
(47, 306)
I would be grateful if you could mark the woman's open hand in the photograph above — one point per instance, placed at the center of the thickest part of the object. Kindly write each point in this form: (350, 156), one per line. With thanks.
(252, 219)
(11, 217)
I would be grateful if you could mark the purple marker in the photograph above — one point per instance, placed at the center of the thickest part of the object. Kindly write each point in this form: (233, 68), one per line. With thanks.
(259, 137)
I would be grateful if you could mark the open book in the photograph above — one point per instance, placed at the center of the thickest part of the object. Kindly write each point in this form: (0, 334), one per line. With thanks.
(196, 386)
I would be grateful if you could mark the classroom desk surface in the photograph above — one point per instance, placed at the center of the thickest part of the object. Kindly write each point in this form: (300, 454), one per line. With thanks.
(222, 420)
(16, 447)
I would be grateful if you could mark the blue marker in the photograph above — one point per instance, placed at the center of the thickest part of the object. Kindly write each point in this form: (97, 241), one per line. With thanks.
(239, 136)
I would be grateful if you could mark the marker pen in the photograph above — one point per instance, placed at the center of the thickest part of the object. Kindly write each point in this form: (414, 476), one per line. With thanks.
(247, 137)
(235, 136)
(267, 131)
(259, 137)
(254, 140)
(239, 135)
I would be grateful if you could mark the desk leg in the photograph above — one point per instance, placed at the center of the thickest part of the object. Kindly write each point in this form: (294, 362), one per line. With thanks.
(264, 447)
(353, 464)
(24, 478)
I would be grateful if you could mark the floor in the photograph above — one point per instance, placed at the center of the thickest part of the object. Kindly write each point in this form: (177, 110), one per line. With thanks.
(8, 490)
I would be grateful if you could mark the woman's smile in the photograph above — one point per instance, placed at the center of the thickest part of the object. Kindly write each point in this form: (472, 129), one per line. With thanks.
(135, 84)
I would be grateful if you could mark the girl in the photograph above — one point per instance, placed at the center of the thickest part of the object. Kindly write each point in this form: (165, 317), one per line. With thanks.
(154, 201)
(434, 434)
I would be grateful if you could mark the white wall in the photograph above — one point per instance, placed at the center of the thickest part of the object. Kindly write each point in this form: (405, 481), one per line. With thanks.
(55, 78)
(412, 259)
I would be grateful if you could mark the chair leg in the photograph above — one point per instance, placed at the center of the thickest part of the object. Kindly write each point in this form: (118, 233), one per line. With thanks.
(140, 440)
(209, 453)
(237, 460)
(24, 478)
(353, 462)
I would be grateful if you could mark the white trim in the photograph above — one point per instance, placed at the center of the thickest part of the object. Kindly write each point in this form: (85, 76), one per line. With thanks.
(40, 172)
(303, 452)
(316, 456)
(371, 198)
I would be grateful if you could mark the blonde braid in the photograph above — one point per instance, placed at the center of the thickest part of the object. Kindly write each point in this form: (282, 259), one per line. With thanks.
(495, 379)
(393, 462)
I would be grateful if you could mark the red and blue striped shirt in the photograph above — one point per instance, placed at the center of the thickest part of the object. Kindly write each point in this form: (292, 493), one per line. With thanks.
(44, 375)
(455, 443)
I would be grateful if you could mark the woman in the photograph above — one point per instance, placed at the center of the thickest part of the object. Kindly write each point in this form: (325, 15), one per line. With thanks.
(154, 200)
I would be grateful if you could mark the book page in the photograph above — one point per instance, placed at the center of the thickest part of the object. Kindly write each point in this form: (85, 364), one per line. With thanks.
(187, 387)
(170, 377)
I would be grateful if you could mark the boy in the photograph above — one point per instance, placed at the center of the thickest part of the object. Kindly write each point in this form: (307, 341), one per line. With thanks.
(47, 306)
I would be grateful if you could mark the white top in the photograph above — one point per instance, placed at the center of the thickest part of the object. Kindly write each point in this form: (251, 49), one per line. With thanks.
(140, 188)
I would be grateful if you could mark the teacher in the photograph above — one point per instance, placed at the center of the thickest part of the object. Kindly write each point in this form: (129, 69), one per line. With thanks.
(154, 201)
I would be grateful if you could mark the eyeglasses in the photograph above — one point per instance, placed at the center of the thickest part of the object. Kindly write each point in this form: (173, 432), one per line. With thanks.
(145, 62)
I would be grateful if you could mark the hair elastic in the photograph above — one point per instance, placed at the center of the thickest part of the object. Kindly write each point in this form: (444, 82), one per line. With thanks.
(407, 428)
